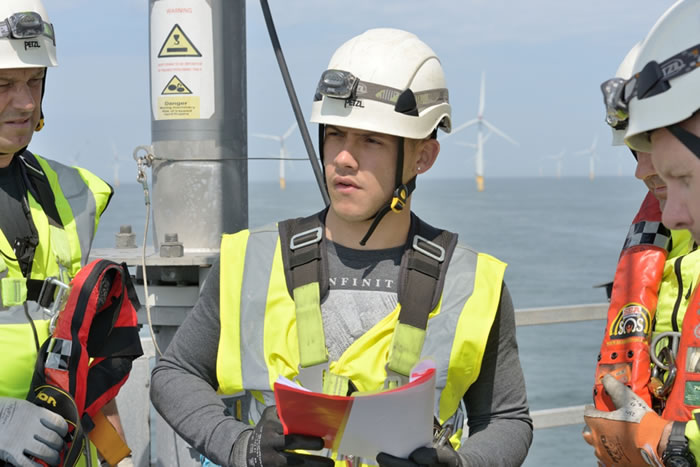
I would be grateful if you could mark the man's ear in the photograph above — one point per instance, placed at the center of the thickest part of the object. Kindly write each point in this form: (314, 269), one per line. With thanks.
(427, 152)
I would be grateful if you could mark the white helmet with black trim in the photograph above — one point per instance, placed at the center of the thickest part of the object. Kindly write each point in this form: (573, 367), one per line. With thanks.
(386, 81)
(665, 86)
(27, 38)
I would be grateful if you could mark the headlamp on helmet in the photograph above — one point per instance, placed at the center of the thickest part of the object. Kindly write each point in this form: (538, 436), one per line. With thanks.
(651, 81)
(26, 25)
(337, 84)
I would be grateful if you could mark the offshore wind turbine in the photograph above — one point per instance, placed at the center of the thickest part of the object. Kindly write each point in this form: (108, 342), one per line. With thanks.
(283, 150)
(558, 158)
(481, 135)
(592, 156)
(115, 165)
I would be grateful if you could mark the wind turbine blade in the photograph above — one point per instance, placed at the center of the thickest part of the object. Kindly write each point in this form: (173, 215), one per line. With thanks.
(469, 145)
(289, 132)
(482, 94)
(582, 152)
(272, 137)
(461, 127)
(500, 133)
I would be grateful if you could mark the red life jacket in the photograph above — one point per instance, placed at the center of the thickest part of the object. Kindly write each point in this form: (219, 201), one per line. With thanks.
(685, 392)
(625, 348)
(88, 357)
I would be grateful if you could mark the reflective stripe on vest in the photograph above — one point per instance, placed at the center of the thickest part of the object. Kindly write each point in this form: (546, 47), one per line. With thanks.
(258, 339)
(81, 197)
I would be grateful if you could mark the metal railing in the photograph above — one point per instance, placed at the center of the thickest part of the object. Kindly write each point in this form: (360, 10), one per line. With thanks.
(561, 416)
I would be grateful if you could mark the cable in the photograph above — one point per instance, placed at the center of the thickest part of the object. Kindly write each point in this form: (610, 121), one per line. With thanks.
(294, 101)
(142, 163)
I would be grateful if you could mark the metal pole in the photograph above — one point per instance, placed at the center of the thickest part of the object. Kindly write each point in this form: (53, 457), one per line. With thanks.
(295, 102)
(198, 120)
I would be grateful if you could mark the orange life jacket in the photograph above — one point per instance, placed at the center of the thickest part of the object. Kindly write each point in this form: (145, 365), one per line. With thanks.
(625, 348)
(88, 357)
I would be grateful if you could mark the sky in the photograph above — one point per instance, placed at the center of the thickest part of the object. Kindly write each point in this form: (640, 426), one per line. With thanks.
(543, 60)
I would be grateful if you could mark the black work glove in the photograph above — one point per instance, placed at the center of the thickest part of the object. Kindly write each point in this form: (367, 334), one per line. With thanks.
(267, 445)
(443, 456)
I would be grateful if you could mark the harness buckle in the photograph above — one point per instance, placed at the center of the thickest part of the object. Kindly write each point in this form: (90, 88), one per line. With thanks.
(311, 377)
(438, 254)
(300, 240)
(394, 379)
(48, 287)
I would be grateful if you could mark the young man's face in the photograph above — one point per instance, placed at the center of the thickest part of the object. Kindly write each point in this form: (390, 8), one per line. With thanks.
(680, 169)
(20, 106)
(360, 170)
(646, 172)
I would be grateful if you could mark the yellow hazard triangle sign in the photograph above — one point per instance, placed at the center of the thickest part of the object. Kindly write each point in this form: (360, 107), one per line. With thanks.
(177, 44)
(175, 86)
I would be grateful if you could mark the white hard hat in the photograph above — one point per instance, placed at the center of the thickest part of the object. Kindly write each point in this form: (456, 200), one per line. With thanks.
(666, 85)
(624, 71)
(386, 81)
(27, 37)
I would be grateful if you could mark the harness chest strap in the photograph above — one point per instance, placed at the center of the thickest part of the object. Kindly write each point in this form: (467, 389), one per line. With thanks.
(420, 287)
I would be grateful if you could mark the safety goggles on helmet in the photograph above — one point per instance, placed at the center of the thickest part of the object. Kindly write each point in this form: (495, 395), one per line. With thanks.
(651, 81)
(26, 25)
(339, 84)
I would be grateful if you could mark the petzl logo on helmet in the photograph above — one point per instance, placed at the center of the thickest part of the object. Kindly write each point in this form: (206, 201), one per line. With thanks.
(673, 66)
(631, 321)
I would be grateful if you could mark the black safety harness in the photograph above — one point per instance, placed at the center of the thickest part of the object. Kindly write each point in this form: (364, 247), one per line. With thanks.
(421, 280)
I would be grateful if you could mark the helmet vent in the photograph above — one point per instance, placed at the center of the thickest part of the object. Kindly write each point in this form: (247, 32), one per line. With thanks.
(406, 103)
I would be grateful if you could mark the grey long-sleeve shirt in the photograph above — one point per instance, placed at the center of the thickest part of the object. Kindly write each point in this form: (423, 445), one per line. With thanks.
(500, 428)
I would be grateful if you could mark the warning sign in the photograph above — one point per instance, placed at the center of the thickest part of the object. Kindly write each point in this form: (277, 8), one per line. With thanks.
(182, 60)
(177, 44)
(175, 86)
(175, 108)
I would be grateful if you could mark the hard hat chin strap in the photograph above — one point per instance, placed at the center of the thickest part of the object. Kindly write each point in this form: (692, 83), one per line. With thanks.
(688, 139)
(400, 196)
(40, 124)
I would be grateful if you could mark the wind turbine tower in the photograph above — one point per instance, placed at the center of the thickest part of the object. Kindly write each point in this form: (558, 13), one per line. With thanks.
(558, 158)
(482, 135)
(283, 150)
(592, 156)
(115, 165)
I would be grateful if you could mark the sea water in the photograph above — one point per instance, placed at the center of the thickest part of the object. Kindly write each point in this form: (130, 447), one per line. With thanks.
(560, 237)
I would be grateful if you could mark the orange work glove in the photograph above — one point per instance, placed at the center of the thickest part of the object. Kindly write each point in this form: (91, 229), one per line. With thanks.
(628, 436)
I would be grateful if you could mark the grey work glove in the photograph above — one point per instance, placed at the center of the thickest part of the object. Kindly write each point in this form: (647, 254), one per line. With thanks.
(267, 445)
(434, 456)
(29, 430)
